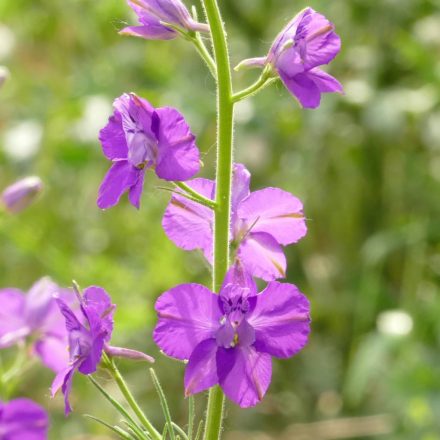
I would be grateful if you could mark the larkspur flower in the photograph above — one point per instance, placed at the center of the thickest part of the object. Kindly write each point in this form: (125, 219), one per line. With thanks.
(36, 316)
(23, 419)
(307, 42)
(229, 339)
(89, 330)
(154, 15)
(262, 222)
(138, 137)
(21, 194)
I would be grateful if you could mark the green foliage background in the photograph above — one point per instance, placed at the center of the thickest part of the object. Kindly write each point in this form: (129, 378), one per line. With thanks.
(366, 165)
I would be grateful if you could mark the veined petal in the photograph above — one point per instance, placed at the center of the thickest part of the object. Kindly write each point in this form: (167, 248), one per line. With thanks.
(244, 374)
(201, 371)
(189, 224)
(119, 178)
(325, 82)
(135, 192)
(303, 88)
(275, 212)
(178, 157)
(280, 317)
(262, 256)
(63, 380)
(12, 323)
(112, 138)
(188, 314)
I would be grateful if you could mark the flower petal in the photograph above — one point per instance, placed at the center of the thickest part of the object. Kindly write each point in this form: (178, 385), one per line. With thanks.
(178, 157)
(244, 374)
(262, 256)
(53, 352)
(189, 224)
(303, 88)
(112, 138)
(135, 192)
(149, 32)
(275, 212)
(201, 371)
(240, 185)
(188, 314)
(281, 320)
(239, 276)
(12, 323)
(23, 419)
(119, 178)
(63, 380)
(325, 82)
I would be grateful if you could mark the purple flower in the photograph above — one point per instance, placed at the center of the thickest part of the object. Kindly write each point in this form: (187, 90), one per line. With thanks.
(21, 194)
(88, 331)
(36, 316)
(307, 42)
(229, 338)
(23, 419)
(155, 14)
(262, 222)
(138, 137)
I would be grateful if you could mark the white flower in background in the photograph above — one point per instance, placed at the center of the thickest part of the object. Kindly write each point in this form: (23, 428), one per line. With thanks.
(23, 140)
(394, 323)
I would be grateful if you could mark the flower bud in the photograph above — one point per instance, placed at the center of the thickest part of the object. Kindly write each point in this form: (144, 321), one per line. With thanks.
(128, 353)
(21, 194)
(162, 20)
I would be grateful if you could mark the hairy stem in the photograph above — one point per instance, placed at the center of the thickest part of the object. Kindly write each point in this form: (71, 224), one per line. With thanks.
(225, 117)
(258, 85)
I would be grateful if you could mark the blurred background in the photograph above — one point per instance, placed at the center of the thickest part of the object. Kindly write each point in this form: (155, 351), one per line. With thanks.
(366, 165)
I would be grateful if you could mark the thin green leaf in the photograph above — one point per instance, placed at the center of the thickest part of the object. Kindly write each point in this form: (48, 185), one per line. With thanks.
(180, 430)
(119, 408)
(164, 404)
(191, 416)
(123, 434)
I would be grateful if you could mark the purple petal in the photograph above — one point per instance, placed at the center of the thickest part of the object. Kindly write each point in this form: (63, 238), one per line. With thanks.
(63, 380)
(13, 327)
(325, 82)
(303, 88)
(239, 276)
(188, 314)
(21, 194)
(275, 212)
(23, 419)
(178, 154)
(262, 256)
(244, 374)
(112, 138)
(189, 224)
(39, 302)
(97, 299)
(201, 371)
(149, 32)
(322, 43)
(119, 178)
(53, 352)
(281, 320)
(240, 185)
(135, 192)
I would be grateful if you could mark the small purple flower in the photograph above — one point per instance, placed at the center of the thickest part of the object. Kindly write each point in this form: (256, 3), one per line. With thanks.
(138, 137)
(155, 14)
(36, 316)
(21, 194)
(262, 222)
(23, 419)
(88, 331)
(307, 42)
(229, 338)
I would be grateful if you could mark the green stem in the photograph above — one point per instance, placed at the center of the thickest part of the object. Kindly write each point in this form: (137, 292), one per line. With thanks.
(131, 400)
(258, 85)
(225, 122)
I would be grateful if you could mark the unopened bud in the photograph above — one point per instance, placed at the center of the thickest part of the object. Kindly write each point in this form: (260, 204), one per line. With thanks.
(21, 194)
(128, 353)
